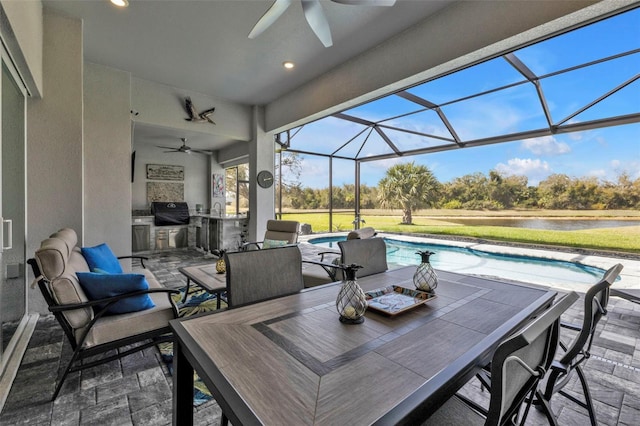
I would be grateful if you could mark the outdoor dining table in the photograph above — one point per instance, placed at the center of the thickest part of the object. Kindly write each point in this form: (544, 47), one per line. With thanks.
(291, 361)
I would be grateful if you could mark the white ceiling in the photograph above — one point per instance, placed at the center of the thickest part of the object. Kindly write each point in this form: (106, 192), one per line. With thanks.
(203, 45)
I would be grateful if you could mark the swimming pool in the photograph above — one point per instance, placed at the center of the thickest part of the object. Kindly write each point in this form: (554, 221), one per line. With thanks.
(534, 270)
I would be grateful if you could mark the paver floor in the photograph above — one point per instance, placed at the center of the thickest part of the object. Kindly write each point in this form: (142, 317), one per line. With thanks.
(136, 390)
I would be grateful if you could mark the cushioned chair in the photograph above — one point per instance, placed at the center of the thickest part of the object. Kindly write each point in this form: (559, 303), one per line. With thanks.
(370, 253)
(89, 328)
(517, 367)
(631, 294)
(278, 233)
(358, 234)
(257, 275)
(595, 307)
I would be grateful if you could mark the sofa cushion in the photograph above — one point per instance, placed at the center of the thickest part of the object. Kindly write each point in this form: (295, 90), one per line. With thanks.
(77, 262)
(101, 257)
(52, 257)
(114, 327)
(67, 290)
(100, 286)
(68, 235)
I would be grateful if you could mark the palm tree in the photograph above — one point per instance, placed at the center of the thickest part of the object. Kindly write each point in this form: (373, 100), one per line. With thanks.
(409, 187)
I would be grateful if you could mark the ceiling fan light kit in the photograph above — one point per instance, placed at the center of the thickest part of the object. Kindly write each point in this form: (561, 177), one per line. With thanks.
(313, 13)
(184, 148)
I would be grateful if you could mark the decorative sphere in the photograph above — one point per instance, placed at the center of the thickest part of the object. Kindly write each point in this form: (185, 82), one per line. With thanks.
(349, 312)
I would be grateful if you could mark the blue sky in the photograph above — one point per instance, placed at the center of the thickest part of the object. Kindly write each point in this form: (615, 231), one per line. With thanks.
(603, 153)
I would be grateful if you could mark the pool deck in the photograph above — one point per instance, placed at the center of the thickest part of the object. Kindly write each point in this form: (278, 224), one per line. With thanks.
(629, 277)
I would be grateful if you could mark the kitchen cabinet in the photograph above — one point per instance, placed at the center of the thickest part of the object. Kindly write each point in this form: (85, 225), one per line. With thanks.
(227, 233)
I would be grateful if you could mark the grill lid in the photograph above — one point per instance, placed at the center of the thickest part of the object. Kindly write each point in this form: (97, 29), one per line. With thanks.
(170, 213)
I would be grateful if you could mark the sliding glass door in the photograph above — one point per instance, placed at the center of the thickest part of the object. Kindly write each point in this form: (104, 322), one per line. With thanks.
(13, 297)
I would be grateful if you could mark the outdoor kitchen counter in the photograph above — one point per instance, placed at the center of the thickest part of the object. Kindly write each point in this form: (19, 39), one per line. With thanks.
(204, 231)
(147, 236)
(223, 217)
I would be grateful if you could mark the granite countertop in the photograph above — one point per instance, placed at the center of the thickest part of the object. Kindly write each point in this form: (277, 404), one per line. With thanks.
(224, 217)
(146, 218)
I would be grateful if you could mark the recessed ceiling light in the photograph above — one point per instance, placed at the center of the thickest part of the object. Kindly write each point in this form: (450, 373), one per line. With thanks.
(288, 64)
(120, 3)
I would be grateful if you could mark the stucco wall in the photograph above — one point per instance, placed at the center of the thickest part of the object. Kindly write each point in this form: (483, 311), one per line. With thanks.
(107, 158)
(196, 176)
(163, 105)
(54, 140)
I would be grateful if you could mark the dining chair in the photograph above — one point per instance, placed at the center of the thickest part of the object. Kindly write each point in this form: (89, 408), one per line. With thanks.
(278, 233)
(630, 294)
(370, 253)
(518, 364)
(257, 275)
(595, 307)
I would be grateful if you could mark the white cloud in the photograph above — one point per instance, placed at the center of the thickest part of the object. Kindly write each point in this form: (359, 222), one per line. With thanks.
(546, 145)
(599, 173)
(575, 136)
(534, 170)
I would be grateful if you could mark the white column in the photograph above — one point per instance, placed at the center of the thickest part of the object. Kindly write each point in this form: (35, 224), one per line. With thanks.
(261, 157)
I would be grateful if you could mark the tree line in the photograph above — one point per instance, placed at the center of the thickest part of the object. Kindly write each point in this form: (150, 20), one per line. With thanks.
(409, 186)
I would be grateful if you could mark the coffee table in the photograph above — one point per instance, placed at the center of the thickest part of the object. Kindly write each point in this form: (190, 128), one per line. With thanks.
(207, 278)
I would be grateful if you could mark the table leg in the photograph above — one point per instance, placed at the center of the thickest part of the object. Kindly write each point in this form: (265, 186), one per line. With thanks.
(218, 300)
(182, 388)
(186, 290)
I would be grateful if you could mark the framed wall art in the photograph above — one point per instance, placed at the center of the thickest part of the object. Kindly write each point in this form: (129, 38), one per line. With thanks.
(165, 172)
(217, 182)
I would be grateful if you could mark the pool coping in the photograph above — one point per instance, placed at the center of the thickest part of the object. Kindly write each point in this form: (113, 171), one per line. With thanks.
(629, 277)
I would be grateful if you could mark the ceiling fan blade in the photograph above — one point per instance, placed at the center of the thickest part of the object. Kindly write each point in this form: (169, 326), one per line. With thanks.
(317, 21)
(366, 2)
(165, 147)
(172, 151)
(269, 17)
(200, 151)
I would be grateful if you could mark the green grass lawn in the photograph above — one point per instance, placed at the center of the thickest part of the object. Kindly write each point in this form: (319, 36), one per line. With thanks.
(625, 239)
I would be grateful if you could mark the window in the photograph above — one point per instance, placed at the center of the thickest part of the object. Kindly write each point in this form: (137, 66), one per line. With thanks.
(237, 189)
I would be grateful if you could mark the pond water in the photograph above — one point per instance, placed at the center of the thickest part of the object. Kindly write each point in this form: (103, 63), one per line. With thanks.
(470, 261)
(556, 224)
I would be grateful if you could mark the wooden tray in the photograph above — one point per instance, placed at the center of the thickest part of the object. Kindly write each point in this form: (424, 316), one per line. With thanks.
(393, 300)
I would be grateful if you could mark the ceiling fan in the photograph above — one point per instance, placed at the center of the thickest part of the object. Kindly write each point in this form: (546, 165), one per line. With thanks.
(313, 13)
(185, 148)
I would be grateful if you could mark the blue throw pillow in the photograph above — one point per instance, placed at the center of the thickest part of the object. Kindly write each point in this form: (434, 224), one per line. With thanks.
(101, 257)
(100, 286)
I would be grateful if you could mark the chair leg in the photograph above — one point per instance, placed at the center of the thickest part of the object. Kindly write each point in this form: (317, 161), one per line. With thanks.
(588, 402)
(544, 405)
(551, 383)
(224, 421)
(67, 370)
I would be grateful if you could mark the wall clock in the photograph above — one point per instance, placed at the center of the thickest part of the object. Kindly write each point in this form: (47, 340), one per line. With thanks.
(265, 179)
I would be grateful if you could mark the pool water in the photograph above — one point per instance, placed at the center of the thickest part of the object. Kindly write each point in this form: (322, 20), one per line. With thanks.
(534, 270)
